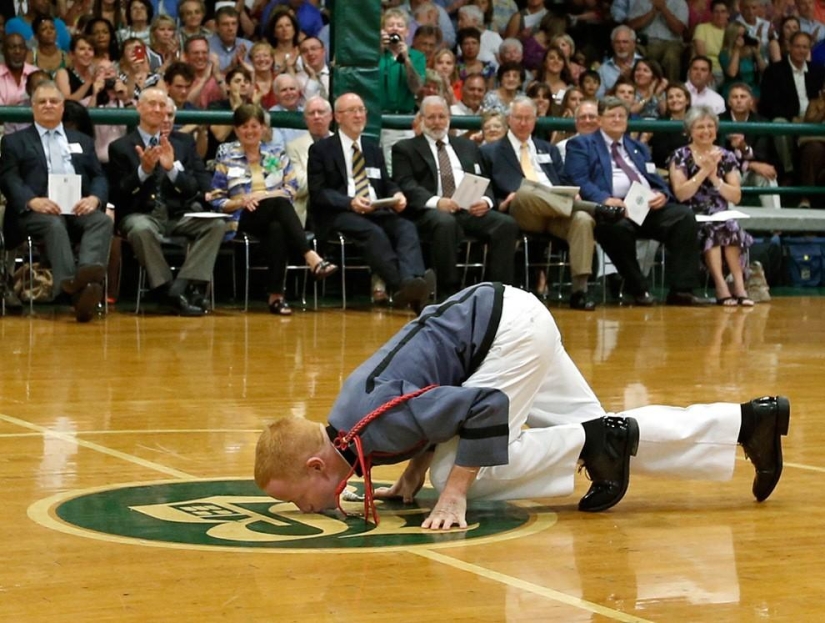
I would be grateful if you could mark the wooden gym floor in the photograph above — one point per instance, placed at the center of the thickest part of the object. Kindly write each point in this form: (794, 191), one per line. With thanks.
(126, 450)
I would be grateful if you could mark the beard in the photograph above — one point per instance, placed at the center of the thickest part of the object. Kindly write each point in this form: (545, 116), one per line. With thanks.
(436, 135)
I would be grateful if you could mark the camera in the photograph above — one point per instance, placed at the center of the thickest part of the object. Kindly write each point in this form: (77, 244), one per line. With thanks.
(109, 83)
(751, 40)
(395, 38)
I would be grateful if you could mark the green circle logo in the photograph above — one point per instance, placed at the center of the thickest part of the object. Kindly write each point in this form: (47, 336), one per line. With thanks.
(233, 514)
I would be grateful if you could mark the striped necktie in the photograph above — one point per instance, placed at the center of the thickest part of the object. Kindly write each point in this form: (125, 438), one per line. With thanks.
(445, 169)
(359, 173)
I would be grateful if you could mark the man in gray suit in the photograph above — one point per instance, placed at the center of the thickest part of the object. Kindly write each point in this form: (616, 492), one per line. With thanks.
(29, 156)
(155, 181)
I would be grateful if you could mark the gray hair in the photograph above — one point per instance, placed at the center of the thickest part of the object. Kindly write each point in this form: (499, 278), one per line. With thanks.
(522, 100)
(622, 28)
(284, 77)
(48, 84)
(317, 98)
(424, 7)
(697, 113)
(611, 102)
(511, 42)
(473, 12)
(171, 106)
(435, 99)
(582, 103)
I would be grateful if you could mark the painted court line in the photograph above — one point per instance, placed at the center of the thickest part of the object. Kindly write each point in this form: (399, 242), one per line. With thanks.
(73, 438)
(529, 587)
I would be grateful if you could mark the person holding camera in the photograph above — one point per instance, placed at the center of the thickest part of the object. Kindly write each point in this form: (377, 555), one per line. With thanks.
(401, 75)
(740, 59)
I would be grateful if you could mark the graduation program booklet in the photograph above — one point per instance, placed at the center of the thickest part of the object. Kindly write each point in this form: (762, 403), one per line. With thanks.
(637, 203)
(470, 190)
(64, 190)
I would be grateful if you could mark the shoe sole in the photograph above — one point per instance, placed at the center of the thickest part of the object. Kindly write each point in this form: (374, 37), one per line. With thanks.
(87, 302)
(783, 421)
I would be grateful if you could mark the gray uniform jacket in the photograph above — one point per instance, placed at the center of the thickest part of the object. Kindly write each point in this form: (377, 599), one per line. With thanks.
(443, 347)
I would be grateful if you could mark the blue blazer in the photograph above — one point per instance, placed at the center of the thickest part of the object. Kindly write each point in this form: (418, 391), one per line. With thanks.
(503, 167)
(589, 166)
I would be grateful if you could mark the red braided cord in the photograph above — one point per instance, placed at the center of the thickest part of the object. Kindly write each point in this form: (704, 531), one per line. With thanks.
(344, 439)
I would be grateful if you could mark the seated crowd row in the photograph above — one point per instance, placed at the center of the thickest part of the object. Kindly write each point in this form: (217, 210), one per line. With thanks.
(155, 177)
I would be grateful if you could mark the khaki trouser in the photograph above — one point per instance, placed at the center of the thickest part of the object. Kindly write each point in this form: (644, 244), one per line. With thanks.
(534, 215)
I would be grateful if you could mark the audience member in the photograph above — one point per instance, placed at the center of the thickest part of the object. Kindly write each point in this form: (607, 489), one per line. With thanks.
(780, 46)
(318, 119)
(754, 151)
(555, 74)
(586, 118)
(25, 183)
(443, 21)
(255, 183)
(428, 169)
(663, 22)
(307, 15)
(536, 44)
(283, 34)
(469, 40)
(104, 39)
(134, 68)
(23, 25)
(444, 62)
(663, 144)
(572, 98)
(164, 45)
(471, 16)
(209, 81)
(493, 127)
(346, 175)
(511, 80)
(590, 82)
(706, 178)
(698, 83)
(526, 21)
(709, 36)
(155, 180)
(13, 75)
(263, 75)
(650, 85)
(604, 165)
(808, 21)
(45, 54)
(757, 27)
(740, 59)
(314, 75)
(623, 42)
(427, 40)
(575, 62)
(812, 151)
(192, 14)
(139, 14)
(792, 83)
(225, 43)
(523, 172)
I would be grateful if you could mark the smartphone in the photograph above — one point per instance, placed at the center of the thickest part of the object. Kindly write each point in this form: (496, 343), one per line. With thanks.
(140, 53)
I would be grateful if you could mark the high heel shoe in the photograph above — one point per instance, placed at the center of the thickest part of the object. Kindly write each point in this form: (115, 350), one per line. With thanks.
(323, 269)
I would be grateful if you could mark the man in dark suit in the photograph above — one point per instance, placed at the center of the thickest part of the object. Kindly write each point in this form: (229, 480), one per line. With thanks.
(346, 174)
(29, 156)
(155, 181)
(783, 98)
(604, 164)
(754, 151)
(523, 171)
(429, 186)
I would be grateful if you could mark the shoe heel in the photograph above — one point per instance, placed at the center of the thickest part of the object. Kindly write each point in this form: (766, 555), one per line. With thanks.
(633, 430)
(783, 415)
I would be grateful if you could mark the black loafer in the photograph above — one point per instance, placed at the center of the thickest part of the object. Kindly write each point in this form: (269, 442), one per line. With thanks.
(764, 446)
(90, 273)
(607, 462)
(184, 307)
(608, 214)
(579, 300)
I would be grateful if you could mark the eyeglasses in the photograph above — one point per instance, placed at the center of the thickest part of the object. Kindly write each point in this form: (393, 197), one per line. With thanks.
(354, 110)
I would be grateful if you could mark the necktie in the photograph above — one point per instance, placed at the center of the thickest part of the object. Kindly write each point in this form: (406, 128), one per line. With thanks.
(359, 173)
(153, 142)
(56, 164)
(527, 163)
(622, 163)
(445, 170)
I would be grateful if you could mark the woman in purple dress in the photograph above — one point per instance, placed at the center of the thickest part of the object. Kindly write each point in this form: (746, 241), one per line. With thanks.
(706, 178)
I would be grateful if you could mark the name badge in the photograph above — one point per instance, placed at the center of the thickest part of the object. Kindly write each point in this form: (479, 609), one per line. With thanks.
(477, 168)
(544, 158)
(650, 167)
(75, 148)
(235, 172)
(374, 173)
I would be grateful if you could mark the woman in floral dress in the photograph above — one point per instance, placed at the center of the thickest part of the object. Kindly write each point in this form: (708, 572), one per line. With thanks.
(706, 178)
(255, 183)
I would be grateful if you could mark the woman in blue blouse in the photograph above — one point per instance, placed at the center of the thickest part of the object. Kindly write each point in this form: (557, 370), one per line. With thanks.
(255, 183)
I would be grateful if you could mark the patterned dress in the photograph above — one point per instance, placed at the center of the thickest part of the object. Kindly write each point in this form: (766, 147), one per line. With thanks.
(707, 200)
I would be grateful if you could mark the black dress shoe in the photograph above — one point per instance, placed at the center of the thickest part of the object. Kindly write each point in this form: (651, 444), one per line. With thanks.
(764, 445)
(608, 214)
(614, 284)
(644, 300)
(86, 301)
(579, 300)
(90, 273)
(413, 292)
(198, 298)
(183, 307)
(686, 299)
(606, 458)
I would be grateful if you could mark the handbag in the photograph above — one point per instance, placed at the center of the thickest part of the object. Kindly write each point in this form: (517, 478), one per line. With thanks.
(33, 282)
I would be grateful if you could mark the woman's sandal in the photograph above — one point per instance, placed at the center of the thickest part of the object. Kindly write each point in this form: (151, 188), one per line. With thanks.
(324, 269)
(727, 301)
(745, 301)
(279, 307)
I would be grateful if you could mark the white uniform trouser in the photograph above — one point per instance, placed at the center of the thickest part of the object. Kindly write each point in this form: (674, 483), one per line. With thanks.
(527, 361)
